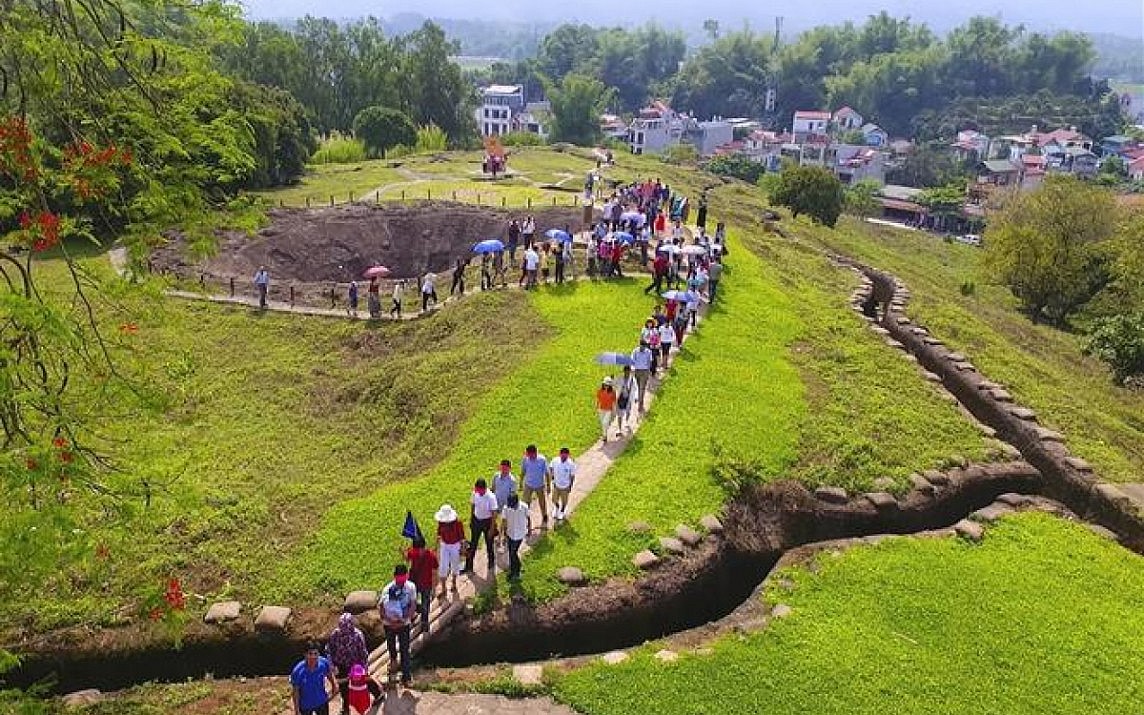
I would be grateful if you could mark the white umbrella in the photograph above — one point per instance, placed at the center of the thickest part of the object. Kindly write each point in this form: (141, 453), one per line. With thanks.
(694, 250)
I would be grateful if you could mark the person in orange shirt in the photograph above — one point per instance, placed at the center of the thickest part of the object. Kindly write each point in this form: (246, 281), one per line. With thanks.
(606, 405)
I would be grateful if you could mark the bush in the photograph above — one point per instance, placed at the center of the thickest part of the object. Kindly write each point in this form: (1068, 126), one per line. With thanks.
(1119, 341)
(340, 150)
(522, 139)
(813, 190)
(737, 167)
(381, 129)
(431, 138)
(680, 154)
(967, 288)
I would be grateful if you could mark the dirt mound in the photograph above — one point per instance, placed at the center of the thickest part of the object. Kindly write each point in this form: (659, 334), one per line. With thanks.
(337, 244)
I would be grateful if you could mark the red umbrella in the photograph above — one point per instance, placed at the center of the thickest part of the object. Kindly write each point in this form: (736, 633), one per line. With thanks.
(377, 271)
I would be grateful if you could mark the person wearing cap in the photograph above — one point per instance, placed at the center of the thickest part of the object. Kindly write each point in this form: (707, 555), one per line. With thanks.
(606, 405)
(534, 472)
(517, 523)
(643, 364)
(484, 510)
(397, 603)
(347, 649)
(563, 475)
(450, 537)
(504, 486)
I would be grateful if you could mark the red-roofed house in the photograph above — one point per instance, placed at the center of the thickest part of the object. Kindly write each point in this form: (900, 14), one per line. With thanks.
(1136, 169)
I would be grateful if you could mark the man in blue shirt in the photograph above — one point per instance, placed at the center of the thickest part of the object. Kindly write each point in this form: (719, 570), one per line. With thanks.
(262, 284)
(534, 473)
(308, 683)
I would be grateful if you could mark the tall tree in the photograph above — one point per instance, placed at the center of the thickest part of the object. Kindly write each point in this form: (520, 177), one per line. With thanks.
(1050, 246)
(577, 103)
(811, 190)
(729, 77)
(437, 91)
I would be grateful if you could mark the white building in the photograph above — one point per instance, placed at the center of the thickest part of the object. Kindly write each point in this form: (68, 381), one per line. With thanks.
(808, 123)
(500, 106)
(655, 129)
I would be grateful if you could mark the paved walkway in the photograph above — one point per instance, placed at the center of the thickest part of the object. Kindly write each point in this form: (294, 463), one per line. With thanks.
(591, 466)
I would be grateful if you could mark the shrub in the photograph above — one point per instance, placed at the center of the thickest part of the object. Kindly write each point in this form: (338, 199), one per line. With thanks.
(967, 288)
(680, 154)
(381, 129)
(522, 139)
(813, 190)
(340, 150)
(1119, 341)
(737, 167)
(431, 138)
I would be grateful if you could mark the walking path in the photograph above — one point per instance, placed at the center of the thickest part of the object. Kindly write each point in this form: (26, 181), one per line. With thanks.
(591, 466)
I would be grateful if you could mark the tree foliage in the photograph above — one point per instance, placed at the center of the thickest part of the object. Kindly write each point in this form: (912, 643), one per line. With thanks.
(577, 102)
(862, 198)
(1119, 341)
(811, 190)
(736, 166)
(1051, 246)
(382, 128)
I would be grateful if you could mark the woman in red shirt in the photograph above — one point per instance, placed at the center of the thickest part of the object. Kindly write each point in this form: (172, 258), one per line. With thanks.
(422, 566)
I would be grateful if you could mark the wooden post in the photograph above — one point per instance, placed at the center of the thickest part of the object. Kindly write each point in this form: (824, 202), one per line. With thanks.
(428, 194)
(455, 197)
(403, 194)
(478, 199)
(203, 280)
(351, 197)
(333, 296)
(529, 203)
(331, 199)
(307, 202)
(281, 203)
(554, 200)
(503, 201)
(232, 286)
(291, 296)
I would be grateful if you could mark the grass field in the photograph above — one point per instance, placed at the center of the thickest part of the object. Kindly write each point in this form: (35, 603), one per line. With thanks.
(1042, 617)
(1043, 367)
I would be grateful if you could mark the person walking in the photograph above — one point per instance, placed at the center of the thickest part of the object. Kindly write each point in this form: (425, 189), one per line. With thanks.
(484, 510)
(352, 300)
(513, 239)
(397, 604)
(499, 272)
(428, 291)
(450, 539)
(528, 230)
(397, 295)
(701, 214)
(531, 266)
(262, 285)
(643, 365)
(423, 566)
(666, 340)
(606, 406)
(486, 271)
(714, 274)
(569, 260)
(517, 525)
(563, 477)
(658, 273)
(628, 396)
(534, 473)
(347, 648)
(458, 287)
(504, 486)
(558, 260)
(308, 683)
(545, 250)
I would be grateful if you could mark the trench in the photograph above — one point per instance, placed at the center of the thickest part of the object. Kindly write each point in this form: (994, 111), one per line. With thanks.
(712, 581)
(705, 586)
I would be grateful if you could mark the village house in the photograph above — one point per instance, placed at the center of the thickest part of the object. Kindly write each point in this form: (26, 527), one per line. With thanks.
(970, 146)
(500, 105)
(857, 163)
(874, 135)
(658, 128)
(847, 119)
(810, 123)
(613, 127)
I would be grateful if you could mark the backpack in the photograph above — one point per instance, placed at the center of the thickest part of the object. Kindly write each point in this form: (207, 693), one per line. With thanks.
(395, 603)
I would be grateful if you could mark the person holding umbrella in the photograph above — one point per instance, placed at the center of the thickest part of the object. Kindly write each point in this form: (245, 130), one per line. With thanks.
(629, 394)
(606, 406)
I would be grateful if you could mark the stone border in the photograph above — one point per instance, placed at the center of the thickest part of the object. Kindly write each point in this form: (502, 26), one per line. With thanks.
(1068, 478)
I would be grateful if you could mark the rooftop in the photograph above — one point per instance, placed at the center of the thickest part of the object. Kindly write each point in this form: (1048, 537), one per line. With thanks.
(811, 114)
(1000, 166)
(900, 193)
(504, 89)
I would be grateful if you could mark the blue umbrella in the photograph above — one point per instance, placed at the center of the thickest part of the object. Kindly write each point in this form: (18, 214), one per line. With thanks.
(677, 295)
(613, 359)
(410, 530)
(557, 235)
(622, 237)
(491, 245)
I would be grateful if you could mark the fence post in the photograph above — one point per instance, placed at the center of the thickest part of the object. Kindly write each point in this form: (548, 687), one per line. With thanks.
(554, 200)
(307, 202)
(232, 286)
(281, 203)
(428, 194)
(529, 203)
(331, 199)
(333, 297)
(378, 195)
(455, 197)
(351, 197)
(403, 194)
(291, 296)
(478, 199)
(203, 280)
(503, 201)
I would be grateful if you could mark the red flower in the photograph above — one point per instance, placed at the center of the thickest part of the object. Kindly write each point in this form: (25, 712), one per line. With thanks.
(129, 328)
(60, 442)
(102, 552)
(25, 220)
(66, 457)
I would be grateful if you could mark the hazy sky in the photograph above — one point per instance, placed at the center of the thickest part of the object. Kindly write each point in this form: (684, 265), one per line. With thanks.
(1122, 17)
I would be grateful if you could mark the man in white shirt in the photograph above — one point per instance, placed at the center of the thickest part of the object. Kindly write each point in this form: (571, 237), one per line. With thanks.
(531, 265)
(484, 511)
(563, 472)
(516, 527)
(643, 363)
(428, 291)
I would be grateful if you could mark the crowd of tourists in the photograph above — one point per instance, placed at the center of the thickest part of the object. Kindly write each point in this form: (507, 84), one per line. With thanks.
(502, 507)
